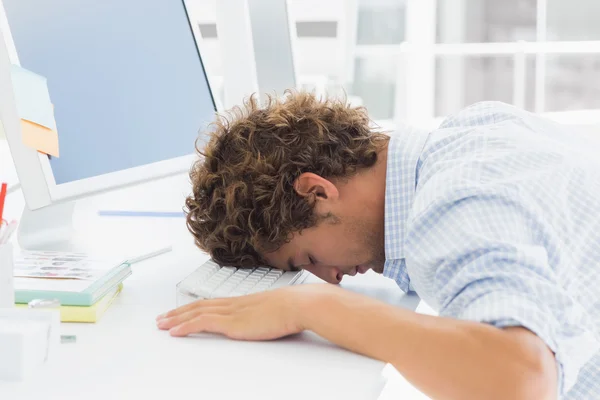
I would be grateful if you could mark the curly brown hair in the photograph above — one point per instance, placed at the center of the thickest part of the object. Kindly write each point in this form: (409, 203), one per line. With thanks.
(243, 201)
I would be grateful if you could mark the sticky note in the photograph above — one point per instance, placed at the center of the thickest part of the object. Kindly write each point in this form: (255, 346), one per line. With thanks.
(32, 97)
(40, 138)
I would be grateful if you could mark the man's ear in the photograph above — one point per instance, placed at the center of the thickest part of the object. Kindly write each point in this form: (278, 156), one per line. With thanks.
(309, 184)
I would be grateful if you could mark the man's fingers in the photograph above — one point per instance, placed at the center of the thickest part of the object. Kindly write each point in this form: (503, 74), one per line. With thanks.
(193, 306)
(211, 323)
(178, 319)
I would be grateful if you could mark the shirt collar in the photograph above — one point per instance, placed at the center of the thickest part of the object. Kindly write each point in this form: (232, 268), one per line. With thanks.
(404, 151)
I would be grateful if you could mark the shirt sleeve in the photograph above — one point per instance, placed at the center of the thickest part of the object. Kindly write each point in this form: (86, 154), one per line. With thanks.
(483, 256)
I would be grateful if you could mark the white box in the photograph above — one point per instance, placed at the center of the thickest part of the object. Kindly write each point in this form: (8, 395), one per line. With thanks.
(7, 291)
(24, 348)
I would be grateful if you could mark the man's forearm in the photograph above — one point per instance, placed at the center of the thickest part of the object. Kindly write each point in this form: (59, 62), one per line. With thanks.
(444, 358)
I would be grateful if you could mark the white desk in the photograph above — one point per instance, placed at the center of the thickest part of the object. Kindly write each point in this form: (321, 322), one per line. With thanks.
(124, 355)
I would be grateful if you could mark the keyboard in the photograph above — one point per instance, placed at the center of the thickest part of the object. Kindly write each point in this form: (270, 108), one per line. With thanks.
(212, 281)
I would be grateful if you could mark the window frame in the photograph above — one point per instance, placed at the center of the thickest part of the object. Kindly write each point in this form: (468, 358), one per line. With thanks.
(416, 57)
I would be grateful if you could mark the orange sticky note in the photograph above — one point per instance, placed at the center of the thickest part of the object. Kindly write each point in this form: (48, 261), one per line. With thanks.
(39, 137)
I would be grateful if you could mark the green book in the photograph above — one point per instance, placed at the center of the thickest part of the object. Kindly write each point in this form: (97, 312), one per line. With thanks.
(75, 279)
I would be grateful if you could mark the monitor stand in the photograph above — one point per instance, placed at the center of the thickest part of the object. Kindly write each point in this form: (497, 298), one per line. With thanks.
(48, 228)
(55, 228)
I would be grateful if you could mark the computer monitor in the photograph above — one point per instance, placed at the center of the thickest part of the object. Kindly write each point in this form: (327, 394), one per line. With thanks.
(130, 96)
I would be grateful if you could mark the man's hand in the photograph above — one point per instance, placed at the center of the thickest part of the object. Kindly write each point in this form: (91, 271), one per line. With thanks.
(261, 316)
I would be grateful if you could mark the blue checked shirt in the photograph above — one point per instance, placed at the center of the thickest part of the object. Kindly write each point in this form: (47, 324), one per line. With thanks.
(495, 217)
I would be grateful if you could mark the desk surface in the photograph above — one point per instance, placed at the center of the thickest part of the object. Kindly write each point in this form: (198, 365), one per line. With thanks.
(125, 356)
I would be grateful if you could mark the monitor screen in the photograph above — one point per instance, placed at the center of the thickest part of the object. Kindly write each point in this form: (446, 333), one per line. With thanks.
(125, 78)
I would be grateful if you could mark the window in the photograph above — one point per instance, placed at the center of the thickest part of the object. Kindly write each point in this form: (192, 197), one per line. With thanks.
(316, 29)
(375, 84)
(527, 52)
(464, 80)
(381, 22)
(485, 21)
(572, 82)
(419, 60)
(572, 20)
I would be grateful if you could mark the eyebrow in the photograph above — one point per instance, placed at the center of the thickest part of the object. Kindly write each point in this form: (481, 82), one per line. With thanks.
(291, 265)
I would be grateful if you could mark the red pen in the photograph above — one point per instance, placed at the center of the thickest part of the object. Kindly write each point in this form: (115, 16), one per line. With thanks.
(2, 197)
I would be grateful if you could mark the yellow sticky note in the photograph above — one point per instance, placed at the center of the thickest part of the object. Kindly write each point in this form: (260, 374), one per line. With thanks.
(39, 137)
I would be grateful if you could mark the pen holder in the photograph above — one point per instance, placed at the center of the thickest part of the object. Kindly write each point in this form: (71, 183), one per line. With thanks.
(7, 291)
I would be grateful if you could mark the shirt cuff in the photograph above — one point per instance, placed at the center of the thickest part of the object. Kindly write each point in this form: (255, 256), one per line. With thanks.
(573, 346)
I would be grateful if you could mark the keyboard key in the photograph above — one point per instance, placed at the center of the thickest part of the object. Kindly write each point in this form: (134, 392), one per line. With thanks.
(239, 274)
(247, 284)
(287, 278)
(203, 293)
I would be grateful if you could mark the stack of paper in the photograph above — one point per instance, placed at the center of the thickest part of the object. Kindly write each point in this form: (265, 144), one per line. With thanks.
(85, 286)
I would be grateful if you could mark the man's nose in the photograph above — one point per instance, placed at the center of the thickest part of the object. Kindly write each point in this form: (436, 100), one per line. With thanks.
(332, 275)
(327, 273)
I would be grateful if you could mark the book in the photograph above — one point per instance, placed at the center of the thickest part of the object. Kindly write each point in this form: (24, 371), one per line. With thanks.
(89, 314)
(75, 279)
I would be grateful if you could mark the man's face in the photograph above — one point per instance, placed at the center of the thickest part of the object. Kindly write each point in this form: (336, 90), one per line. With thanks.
(332, 250)
(349, 240)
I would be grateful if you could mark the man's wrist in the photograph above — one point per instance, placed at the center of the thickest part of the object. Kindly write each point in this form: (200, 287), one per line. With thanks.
(308, 304)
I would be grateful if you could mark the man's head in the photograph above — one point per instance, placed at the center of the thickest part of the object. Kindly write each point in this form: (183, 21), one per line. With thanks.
(296, 183)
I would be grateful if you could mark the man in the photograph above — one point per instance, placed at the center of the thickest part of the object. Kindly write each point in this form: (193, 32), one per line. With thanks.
(493, 219)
